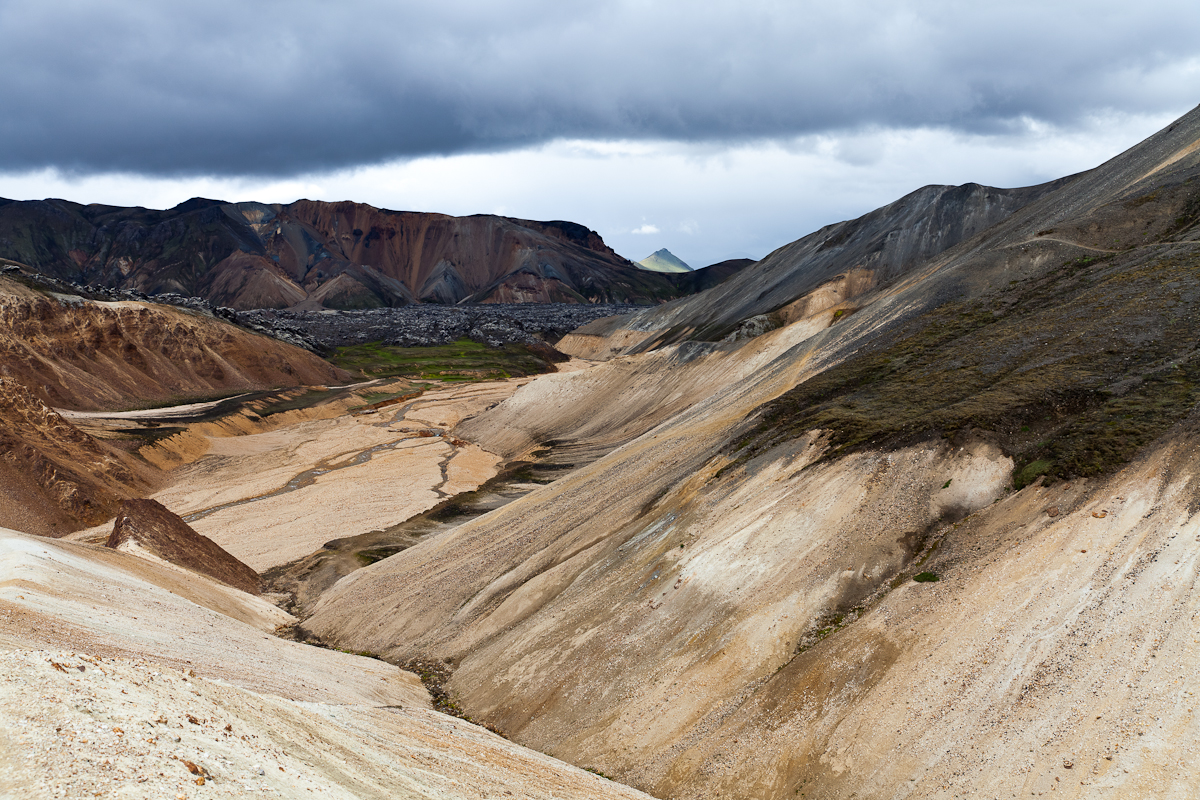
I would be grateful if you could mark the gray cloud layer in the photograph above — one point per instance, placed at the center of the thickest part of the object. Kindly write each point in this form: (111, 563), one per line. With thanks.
(233, 87)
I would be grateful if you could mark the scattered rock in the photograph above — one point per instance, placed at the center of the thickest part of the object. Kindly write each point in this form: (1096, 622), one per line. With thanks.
(750, 328)
(493, 324)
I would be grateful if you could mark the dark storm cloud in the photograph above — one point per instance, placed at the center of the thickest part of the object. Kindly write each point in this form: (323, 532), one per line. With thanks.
(280, 88)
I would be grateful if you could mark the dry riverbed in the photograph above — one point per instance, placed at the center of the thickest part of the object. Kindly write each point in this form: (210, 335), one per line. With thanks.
(273, 489)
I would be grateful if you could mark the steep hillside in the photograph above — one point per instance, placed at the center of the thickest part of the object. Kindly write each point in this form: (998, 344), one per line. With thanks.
(147, 527)
(931, 535)
(53, 477)
(830, 267)
(314, 254)
(59, 351)
(81, 354)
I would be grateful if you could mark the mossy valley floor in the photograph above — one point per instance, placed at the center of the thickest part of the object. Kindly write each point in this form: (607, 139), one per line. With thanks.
(463, 360)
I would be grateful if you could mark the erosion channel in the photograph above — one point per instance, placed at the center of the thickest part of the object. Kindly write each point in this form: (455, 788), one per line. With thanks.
(309, 485)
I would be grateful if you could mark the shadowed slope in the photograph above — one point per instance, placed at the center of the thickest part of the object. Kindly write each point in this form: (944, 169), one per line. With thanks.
(148, 526)
(872, 250)
(54, 478)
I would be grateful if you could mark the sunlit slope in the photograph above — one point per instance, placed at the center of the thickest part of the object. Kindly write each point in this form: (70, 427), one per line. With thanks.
(132, 676)
(84, 354)
(62, 351)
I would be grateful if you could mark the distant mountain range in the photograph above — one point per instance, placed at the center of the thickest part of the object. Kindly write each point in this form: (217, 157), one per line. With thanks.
(311, 254)
(663, 261)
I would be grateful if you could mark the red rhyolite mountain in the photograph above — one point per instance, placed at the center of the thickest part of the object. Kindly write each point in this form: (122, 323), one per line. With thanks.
(313, 254)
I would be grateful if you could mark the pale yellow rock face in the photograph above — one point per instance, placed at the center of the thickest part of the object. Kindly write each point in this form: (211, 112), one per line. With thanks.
(1055, 654)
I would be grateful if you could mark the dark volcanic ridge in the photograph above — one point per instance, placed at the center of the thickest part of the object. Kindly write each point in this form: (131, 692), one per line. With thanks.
(325, 255)
(427, 325)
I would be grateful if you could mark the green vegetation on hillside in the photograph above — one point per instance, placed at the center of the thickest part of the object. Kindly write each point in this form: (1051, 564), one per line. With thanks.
(463, 360)
(1070, 373)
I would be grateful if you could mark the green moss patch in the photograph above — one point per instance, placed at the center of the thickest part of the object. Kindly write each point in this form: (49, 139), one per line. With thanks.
(1031, 472)
(463, 360)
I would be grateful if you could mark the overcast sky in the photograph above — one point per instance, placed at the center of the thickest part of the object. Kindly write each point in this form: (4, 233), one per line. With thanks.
(716, 129)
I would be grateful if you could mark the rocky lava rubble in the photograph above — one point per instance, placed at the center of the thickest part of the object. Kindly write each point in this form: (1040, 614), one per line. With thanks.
(493, 324)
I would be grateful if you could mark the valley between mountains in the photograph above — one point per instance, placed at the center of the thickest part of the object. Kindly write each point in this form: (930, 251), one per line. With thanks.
(906, 509)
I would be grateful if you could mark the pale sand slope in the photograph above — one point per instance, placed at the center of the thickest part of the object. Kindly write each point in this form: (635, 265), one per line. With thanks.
(65, 595)
(616, 401)
(1057, 654)
(122, 728)
(406, 474)
(112, 680)
(1027, 666)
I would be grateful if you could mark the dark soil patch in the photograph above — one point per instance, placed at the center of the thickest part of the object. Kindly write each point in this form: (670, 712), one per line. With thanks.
(435, 675)
(1071, 373)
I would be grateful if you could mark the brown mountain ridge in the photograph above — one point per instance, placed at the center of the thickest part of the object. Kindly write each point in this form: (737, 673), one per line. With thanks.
(312, 254)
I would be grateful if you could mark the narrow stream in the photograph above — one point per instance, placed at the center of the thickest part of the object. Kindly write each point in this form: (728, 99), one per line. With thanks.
(303, 581)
